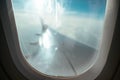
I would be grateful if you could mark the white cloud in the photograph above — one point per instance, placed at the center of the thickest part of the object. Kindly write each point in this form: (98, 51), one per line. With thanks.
(83, 29)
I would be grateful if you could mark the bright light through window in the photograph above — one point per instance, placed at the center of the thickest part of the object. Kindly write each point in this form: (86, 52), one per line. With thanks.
(59, 37)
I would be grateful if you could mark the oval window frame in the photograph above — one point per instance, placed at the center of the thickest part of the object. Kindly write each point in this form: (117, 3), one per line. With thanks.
(32, 74)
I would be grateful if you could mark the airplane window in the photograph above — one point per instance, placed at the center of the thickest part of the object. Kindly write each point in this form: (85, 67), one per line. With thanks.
(59, 37)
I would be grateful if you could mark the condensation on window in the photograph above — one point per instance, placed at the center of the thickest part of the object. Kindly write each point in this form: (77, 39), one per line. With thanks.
(59, 37)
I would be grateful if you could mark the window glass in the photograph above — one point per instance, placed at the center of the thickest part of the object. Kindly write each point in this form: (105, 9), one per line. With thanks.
(59, 37)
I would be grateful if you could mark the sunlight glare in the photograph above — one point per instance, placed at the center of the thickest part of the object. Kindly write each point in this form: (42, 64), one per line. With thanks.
(47, 9)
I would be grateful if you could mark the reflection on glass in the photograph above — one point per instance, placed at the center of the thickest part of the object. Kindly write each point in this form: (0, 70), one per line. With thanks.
(59, 37)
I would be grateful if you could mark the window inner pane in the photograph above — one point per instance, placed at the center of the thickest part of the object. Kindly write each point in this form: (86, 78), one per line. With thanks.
(59, 37)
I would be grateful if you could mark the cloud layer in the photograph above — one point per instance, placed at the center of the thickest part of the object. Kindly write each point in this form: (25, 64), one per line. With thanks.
(87, 30)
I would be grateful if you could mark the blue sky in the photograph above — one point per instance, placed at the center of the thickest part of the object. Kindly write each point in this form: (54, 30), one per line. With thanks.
(87, 6)
(80, 6)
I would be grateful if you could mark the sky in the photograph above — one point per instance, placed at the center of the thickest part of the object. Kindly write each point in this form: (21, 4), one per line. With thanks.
(81, 20)
(86, 6)
(78, 6)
